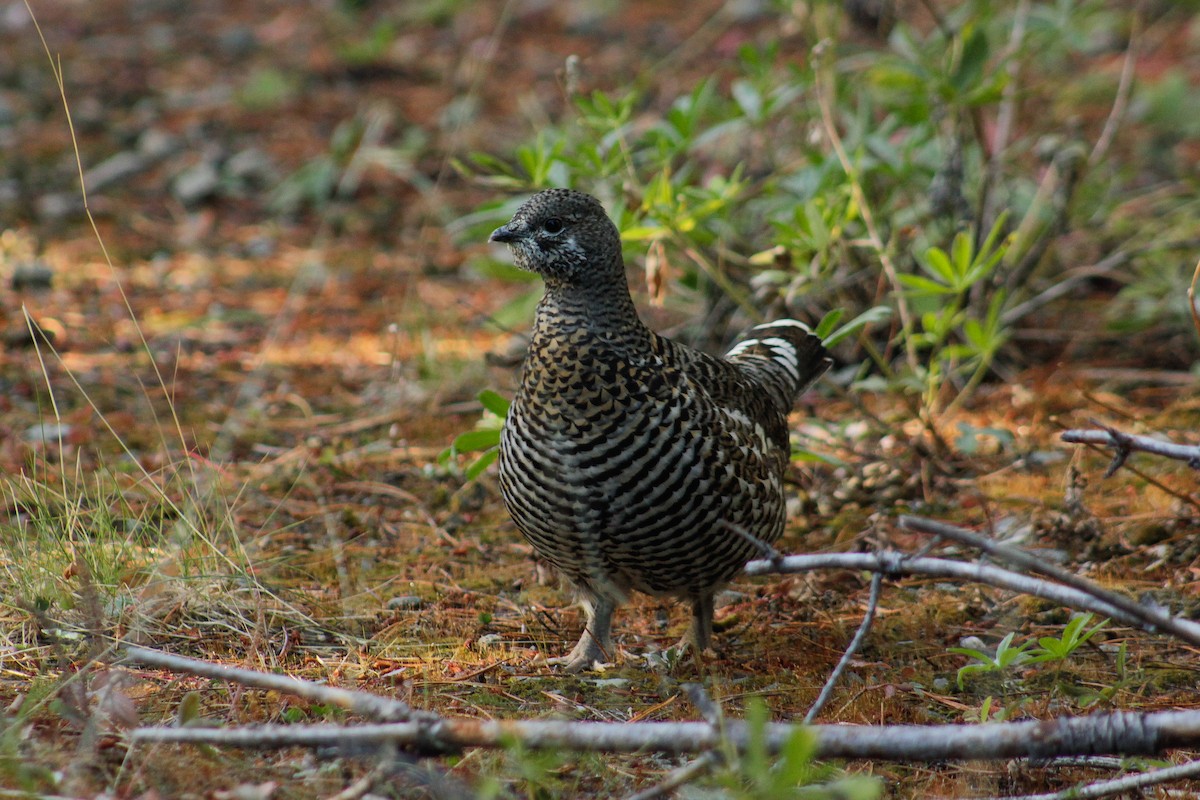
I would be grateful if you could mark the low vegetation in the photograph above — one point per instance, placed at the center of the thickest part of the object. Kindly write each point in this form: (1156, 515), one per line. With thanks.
(249, 406)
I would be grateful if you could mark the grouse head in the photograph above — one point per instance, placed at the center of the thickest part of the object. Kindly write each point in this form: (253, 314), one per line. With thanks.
(566, 237)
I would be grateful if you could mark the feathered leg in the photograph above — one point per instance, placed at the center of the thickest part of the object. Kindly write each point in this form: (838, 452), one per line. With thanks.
(595, 645)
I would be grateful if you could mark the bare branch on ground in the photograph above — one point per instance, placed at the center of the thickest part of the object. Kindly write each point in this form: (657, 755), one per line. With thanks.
(679, 777)
(1127, 783)
(1148, 618)
(1120, 732)
(364, 704)
(1125, 443)
(894, 563)
(855, 643)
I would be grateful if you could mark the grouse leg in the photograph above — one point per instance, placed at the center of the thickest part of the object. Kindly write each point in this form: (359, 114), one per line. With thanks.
(699, 636)
(702, 622)
(595, 644)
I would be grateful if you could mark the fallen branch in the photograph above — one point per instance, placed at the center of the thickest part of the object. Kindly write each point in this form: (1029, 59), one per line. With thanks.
(1128, 783)
(890, 562)
(679, 777)
(855, 643)
(1125, 443)
(1123, 732)
(371, 706)
(706, 762)
(1148, 618)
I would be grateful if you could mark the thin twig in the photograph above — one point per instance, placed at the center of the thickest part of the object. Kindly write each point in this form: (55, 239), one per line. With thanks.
(764, 549)
(1128, 783)
(360, 788)
(1146, 617)
(703, 703)
(1191, 295)
(1181, 496)
(680, 776)
(367, 705)
(1035, 232)
(1121, 99)
(860, 199)
(892, 563)
(1005, 115)
(1125, 443)
(685, 774)
(1065, 286)
(855, 643)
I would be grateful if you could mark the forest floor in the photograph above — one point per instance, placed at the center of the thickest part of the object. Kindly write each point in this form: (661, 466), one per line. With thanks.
(221, 421)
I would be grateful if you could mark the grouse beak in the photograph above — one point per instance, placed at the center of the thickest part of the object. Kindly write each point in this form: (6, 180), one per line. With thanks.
(504, 234)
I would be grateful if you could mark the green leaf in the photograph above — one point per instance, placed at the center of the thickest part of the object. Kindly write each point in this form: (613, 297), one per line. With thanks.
(828, 322)
(494, 403)
(897, 75)
(294, 715)
(188, 712)
(642, 233)
(748, 98)
(937, 264)
(795, 760)
(974, 333)
(970, 652)
(754, 759)
(925, 287)
(1007, 655)
(989, 92)
(803, 456)
(480, 464)
(476, 440)
(502, 270)
(818, 231)
(854, 787)
(519, 310)
(985, 710)
(974, 58)
(961, 255)
(872, 316)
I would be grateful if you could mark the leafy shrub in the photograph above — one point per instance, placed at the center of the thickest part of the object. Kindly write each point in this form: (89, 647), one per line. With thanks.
(857, 177)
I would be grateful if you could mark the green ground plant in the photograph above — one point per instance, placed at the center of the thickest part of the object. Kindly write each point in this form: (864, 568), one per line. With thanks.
(850, 177)
(1044, 650)
(790, 774)
(484, 439)
(328, 182)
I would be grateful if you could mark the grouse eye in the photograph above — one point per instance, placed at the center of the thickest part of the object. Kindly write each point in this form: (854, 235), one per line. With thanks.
(552, 225)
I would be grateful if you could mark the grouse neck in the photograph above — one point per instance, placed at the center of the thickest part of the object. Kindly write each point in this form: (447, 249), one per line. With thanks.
(602, 307)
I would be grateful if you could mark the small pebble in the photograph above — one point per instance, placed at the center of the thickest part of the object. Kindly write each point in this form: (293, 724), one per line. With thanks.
(196, 184)
(47, 432)
(32, 275)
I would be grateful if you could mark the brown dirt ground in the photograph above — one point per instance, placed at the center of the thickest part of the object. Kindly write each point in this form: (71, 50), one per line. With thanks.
(305, 371)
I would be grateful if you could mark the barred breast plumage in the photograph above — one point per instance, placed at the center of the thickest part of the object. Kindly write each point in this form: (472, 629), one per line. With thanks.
(629, 461)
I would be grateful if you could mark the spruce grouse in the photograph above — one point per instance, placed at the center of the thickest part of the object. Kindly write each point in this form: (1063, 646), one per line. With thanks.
(630, 461)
